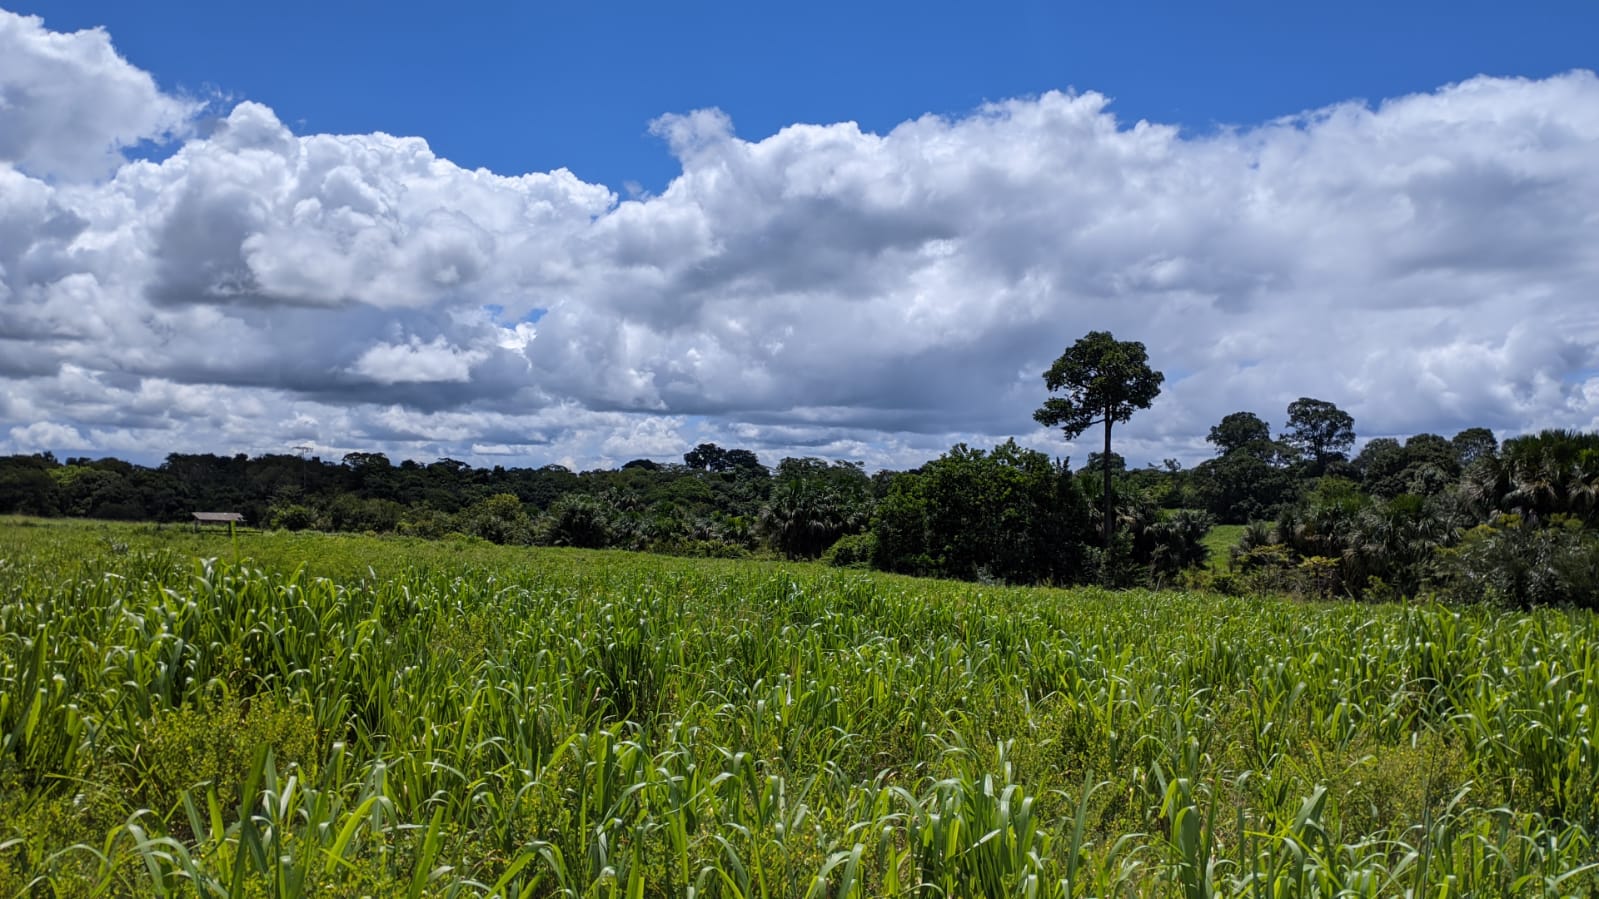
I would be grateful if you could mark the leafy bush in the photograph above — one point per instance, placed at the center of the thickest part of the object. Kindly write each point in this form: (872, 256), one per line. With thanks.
(213, 744)
(702, 549)
(349, 512)
(1514, 563)
(292, 517)
(498, 519)
(1011, 513)
(854, 551)
(425, 522)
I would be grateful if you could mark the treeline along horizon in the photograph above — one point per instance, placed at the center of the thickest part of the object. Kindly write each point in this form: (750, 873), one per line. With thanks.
(1464, 516)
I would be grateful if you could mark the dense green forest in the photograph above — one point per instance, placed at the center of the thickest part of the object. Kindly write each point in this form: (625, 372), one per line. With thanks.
(1463, 516)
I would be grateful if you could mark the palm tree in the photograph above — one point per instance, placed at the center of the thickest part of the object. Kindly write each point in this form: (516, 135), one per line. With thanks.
(802, 519)
(1584, 489)
(1396, 541)
(1484, 486)
(1178, 542)
(1549, 473)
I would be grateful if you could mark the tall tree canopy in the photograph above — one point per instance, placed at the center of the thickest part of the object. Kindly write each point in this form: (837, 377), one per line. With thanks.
(1473, 444)
(1237, 431)
(1104, 380)
(1320, 430)
(706, 457)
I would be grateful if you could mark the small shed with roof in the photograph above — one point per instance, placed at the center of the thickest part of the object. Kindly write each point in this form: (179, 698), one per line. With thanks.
(227, 518)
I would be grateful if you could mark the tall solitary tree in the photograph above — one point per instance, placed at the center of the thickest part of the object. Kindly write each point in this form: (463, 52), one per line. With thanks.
(1321, 431)
(705, 457)
(1237, 431)
(1104, 381)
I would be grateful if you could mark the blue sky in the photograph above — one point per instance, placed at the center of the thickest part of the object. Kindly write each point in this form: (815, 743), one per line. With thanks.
(522, 234)
(521, 87)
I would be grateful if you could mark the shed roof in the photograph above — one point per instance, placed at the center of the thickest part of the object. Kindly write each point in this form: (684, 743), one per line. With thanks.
(211, 517)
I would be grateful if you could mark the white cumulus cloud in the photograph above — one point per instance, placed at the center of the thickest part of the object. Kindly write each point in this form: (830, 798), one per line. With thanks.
(389, 363)
(70, 103)
(1428, 262)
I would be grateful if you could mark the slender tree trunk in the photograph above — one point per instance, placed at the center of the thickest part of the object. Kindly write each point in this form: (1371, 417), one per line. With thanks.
(1105, 568)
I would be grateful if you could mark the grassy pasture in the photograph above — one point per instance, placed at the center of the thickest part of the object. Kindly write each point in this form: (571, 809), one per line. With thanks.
(1219, 542)
(285, 715)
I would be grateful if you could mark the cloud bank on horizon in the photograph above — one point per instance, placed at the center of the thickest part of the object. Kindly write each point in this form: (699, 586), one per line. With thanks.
(1428, 263)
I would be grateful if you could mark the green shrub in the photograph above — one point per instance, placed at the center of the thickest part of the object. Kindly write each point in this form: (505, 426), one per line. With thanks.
(853, 551)
(212, 745)
(498, 519)
(702, 549)
(1516, 564)
(425, 522)
(292, 517)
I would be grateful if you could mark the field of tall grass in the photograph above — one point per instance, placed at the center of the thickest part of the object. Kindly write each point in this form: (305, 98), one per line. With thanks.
(285, 715)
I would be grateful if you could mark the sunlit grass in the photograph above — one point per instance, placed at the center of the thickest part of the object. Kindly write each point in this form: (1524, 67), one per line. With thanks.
(338, 715)
(1219, 543)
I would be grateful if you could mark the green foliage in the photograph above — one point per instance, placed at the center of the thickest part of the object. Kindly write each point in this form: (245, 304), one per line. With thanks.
(1514, 527)
(497, 519)
(1473, 444)
(813, 504)
(389, 716)
(853, 551)
(1177, 542)
(1340, 542)
(27, 487)
(900, 526)
(209, 746)
(1105, 380)
(1320, 431)
(349, 512)
(292, 517)
(1243, 485)
(1010, 514)
(1434, 452)
(706, 457)
(1382, 466)
(710, 457)
(1539, 476)
(96, 490)
(1513, 563)
(1099, 463)
(422, 521)
(1425, 465)
(576, 520)
(1239, 431)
